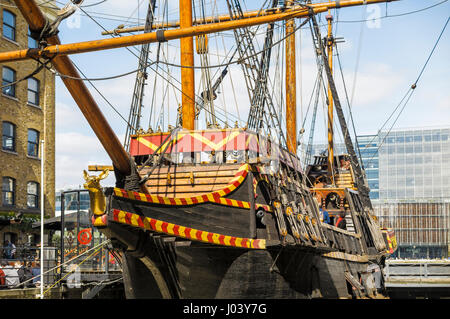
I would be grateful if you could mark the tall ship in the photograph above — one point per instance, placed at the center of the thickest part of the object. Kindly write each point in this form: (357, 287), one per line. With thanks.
(226, 211)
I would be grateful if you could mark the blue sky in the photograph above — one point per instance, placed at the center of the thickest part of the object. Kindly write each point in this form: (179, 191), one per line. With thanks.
(391, 53)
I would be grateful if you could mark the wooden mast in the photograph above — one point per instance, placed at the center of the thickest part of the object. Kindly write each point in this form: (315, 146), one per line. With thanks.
(330, 43)
(160, 35)
(291, 97)
(79, 91)
(187, 71)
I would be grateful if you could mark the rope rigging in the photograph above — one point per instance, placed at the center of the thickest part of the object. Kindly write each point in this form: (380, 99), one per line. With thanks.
(134, 117)
(408, 94)
(359, 174)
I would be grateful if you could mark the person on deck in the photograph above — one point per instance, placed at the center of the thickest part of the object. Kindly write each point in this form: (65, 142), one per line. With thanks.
(2, 279)
(340, 222)
(324, 216)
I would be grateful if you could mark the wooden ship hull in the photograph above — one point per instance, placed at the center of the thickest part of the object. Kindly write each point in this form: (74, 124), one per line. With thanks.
(163, 268)
(219, 224)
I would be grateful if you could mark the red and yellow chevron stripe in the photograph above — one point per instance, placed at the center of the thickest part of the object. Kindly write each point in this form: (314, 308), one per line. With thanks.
(99, 221)
(213, 197)
(186, 232)
(193, 141)
(211, 140)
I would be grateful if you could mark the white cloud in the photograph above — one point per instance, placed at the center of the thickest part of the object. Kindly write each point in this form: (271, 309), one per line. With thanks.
(67, 115)
(374, 83)
(74, 152)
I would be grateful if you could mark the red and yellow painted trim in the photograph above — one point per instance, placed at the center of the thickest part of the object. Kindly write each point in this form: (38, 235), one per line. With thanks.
(213, 197)
(99, 221)
(211, 140)
(391, 239)
(194, 141)
(185, 232)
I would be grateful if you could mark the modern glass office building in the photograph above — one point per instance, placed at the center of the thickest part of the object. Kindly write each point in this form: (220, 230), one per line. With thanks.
(414, 189)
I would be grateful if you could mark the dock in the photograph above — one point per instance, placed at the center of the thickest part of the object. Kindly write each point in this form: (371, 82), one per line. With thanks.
(421, 278)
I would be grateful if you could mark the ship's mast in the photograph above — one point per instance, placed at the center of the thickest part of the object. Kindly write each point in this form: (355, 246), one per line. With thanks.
(330, 44)
(291, 98)
(187, 70)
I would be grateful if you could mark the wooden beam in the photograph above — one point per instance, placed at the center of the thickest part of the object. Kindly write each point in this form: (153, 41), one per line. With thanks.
(291, 90)
(99, 168)
(330, 43)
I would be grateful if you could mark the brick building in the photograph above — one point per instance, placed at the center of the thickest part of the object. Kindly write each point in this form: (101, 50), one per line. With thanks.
(27, 116)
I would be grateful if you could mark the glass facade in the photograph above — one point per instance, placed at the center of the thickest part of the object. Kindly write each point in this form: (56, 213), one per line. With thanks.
(415, 164)
(368, 148)
(71, 201)
(421, 228)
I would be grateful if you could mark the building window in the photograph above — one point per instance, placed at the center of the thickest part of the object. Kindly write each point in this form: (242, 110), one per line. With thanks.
(9, 77)
(9, 137)
(32, 43)
(8, 191)
(33, 91)
(33, 143)
(9, 25)
(32, 195)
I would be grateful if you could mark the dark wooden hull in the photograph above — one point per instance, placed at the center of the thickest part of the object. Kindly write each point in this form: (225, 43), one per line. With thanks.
(155, 267)
(230, 243)
(159, 264)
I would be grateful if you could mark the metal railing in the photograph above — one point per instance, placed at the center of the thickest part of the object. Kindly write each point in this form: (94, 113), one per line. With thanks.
(430, 271)
(20, 266)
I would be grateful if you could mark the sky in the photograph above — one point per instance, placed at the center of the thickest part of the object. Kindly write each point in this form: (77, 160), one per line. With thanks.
(380, 59)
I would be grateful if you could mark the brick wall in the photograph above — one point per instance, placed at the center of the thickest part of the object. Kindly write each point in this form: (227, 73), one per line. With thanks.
(18, 164)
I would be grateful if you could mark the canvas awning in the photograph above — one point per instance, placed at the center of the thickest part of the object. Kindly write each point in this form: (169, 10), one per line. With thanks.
(70, 220)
